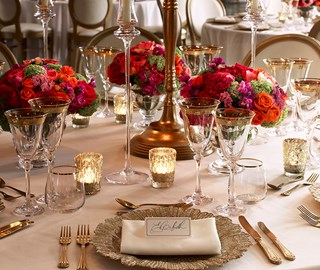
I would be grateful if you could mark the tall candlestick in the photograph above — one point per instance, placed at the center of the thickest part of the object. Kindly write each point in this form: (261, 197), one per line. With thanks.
(126, 11)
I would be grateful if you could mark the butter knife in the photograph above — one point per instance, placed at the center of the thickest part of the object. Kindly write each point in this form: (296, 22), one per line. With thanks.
(273, 257)
(286, 252)
(14, 227)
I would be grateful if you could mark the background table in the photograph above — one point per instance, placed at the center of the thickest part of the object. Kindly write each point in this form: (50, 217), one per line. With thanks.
(37, 247)
(236, 43)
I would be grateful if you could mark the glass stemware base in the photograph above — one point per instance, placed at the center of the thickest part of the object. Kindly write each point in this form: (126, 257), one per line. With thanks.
(124, 177)
(197, 199)
(29, 208)
(227, 210)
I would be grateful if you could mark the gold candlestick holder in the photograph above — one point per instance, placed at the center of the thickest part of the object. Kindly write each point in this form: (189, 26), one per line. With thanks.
(168, 131)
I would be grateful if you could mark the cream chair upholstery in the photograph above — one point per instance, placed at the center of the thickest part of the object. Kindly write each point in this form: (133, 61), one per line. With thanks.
(17, 35)
(288, 45)
(7, 56)
(198, 11)
(89, 17)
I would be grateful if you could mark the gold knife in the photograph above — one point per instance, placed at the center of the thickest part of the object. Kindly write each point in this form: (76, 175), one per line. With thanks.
(286, 252)
(14, 227)
(273, 257)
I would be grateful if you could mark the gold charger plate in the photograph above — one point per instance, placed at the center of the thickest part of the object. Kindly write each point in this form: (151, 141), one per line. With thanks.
(234, 242)
(315, 191)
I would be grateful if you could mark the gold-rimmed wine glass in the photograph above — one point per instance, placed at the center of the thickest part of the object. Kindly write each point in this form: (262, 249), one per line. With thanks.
(198, 117)
(56, 108)
(105, 56)
(89, 60)
(233, 125)
(26, 129)
(193, 55)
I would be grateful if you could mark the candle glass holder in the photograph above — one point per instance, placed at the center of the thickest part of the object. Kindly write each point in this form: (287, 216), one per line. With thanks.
(255, 16)
(45, 14)
(127, 21)
(162, 164)
(89, 167)
(2, 63)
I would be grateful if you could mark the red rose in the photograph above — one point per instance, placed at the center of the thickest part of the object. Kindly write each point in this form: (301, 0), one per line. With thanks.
(15, 77)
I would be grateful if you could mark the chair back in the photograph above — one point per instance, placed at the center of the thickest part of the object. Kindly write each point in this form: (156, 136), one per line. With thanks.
(7, 56)
(198, 11)
(315, 30)
(10, 12)
(90, 14)
(288, 46)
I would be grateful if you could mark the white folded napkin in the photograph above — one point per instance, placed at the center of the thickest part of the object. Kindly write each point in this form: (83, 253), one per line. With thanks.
(225, 19)
(204, 240)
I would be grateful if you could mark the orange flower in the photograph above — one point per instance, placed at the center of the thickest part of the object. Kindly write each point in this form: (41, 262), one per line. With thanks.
(28, 83)
(67, 70)
(273, 114)
(258, 118)
(27, 93)
(263, 101)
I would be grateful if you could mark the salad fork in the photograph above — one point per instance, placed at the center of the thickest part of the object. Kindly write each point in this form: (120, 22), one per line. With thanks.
(83, 239)
(312, 178)
(311, 221)
(308, 213)
(64, 240)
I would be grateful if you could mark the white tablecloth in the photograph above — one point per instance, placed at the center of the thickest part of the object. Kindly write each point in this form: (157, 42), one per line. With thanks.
(37, 247)
(236, 43)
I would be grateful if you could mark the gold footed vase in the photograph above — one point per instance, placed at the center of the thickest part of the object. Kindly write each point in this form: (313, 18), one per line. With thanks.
(168, 131)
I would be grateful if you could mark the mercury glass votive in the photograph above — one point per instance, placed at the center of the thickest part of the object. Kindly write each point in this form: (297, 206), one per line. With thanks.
(89, 166)
(295, 154)
(162, 163)
(79, 121)
(120, 108)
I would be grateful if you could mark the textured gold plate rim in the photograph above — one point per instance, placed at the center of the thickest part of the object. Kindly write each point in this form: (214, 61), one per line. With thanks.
(234, 242)
(315, 191)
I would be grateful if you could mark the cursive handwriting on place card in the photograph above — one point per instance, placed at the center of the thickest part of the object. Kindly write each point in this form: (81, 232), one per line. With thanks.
(168, 226)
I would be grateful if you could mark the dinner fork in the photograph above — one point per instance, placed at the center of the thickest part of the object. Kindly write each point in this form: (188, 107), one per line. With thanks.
(311, 221)
(83, 239)
(64, 240)
(312, 178)
(308, 213)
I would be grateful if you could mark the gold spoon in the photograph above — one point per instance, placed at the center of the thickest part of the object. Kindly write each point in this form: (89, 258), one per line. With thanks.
(131, 205)
(278, 187)
(3, 185)
(8, 197)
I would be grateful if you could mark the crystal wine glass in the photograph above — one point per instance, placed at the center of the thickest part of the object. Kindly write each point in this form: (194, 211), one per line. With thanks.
(105, 56)
(210, 52)
(198, 116)
(89, 61)
(26, 129)
(56, 109)
(308, 109)
(233, 125)
(193, 55)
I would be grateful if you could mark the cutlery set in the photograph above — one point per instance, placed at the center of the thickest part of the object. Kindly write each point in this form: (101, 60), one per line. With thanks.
(271, 255)
(82, 239)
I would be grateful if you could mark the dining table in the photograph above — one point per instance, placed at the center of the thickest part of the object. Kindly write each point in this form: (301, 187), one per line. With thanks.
(236, 39)
(37, 247)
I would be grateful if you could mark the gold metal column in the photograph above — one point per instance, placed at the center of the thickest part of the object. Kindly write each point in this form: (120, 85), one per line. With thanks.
(168, 131)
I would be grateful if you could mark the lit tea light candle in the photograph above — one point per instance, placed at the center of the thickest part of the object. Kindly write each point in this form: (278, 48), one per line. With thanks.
(162, 163)
(89, 166)
(255, 6)
(120, 107)
(126, 11)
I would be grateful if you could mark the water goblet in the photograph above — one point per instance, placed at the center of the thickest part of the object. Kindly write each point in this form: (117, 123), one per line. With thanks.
(193, 55)
(210, 52)
(308, 109)
(198, 116)
(26, 130)
(89, 61)
(56, 109)
(233, 125)
(105, 56)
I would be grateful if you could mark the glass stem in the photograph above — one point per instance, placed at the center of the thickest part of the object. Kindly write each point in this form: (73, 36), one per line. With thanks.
(50, 158)
(27, 168)
(231, 193)
(197, 158)
(254, 28)
(127, 43)
(106, 87)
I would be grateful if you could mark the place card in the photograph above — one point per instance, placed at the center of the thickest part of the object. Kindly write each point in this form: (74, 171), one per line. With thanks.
(168, 226)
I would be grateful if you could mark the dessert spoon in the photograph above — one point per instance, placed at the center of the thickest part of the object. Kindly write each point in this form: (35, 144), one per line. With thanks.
(279, 186)
(8, 197)
(3, 185)
(131, 205)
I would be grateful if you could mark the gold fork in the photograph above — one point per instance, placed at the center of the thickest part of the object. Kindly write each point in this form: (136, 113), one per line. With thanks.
(64, 240)
(312, 178)
(311, 221)
(83, 239)
(308, 213)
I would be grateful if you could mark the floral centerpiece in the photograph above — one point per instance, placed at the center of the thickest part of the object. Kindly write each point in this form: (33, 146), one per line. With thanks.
(147, 68)
(45, 77)
(239, 86)
(307, 3)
